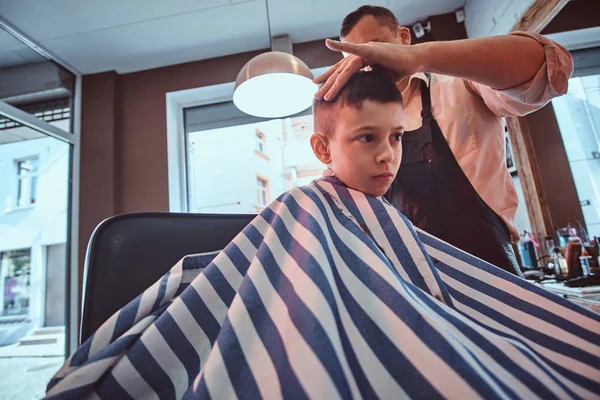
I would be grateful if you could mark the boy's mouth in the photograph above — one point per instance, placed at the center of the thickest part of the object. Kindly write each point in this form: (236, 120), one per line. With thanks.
(386, 177)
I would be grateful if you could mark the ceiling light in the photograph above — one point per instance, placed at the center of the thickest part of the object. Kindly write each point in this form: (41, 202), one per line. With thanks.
(274, 84)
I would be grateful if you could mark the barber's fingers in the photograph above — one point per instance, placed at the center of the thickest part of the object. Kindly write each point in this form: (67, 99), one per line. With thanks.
(366, 51)
(353, 65)
(333, 73)
(330, 80)
(325, 75)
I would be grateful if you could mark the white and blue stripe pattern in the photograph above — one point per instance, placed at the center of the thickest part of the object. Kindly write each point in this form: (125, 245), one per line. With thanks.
(328, 294)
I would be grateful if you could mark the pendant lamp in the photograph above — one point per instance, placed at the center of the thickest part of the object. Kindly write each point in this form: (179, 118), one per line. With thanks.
(275, 84)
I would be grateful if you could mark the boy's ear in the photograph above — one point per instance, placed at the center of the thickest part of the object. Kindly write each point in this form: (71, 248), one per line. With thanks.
(320, 146)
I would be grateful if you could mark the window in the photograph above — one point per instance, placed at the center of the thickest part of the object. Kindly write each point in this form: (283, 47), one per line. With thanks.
(33, 249)
(216, 152)
(262, 192)
(27, 175)
(261, 142)
(578, 117)
(224, 173)
(38, 295)
(15, 270)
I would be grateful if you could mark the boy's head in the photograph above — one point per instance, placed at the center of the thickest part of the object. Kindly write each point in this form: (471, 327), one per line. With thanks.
(359, 133)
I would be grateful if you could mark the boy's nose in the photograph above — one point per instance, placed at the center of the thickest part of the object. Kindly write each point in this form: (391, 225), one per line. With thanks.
(385, 154)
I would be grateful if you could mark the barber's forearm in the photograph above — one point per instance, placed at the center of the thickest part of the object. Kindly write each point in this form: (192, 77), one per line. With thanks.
(499, 62)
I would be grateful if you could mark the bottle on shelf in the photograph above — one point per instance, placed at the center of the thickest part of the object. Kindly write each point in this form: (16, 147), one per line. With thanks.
(560, 264)
(572, 253)
(527, 251)
(585, 260)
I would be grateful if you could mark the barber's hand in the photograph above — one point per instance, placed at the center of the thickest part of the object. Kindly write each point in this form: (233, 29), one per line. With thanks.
(402, 60)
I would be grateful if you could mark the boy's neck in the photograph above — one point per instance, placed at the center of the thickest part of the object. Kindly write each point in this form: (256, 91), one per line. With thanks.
(328, 172)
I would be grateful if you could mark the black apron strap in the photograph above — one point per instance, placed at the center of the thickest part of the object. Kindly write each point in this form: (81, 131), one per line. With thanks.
(426, 100)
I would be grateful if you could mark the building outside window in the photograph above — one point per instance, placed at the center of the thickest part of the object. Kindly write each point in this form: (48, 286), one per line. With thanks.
(38, 138)
(34, 171)
(27, 176)
(225, 153)
(262, 192)
(246, 179)
(261, 142)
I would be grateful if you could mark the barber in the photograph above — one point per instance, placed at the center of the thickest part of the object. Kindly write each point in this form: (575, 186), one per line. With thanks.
(453, 181)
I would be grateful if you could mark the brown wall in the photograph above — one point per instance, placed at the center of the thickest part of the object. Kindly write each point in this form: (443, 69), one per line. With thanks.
(579, 14)
(443, 27)
(123, 134)
(554, 167)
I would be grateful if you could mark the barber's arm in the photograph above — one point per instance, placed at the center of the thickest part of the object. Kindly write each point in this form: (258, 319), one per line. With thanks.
(498, 63)
(549, 81)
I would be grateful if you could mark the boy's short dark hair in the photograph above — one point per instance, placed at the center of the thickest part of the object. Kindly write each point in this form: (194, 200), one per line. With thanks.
(377, 85)
(381, 14)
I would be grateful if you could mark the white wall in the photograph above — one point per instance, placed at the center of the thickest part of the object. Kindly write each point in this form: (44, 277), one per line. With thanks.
(224, 165)
(493, 17)
(43, 223)
(298, 152)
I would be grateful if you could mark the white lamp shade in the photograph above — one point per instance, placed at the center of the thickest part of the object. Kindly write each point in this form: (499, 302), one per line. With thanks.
(274, 85)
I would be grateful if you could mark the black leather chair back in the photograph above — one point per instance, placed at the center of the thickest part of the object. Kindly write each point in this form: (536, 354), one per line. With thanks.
(127, 253)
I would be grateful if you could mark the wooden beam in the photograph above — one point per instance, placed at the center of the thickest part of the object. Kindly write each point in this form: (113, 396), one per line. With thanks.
(539, 14)
(530, 178)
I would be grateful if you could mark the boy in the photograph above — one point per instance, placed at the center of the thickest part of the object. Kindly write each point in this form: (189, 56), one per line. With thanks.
(359, 136)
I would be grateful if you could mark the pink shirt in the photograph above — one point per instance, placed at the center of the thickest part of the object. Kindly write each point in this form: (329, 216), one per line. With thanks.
(471, 118)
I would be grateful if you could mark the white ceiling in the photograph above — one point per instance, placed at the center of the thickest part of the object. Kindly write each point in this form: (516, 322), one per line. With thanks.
(132, 35)
(13, 52)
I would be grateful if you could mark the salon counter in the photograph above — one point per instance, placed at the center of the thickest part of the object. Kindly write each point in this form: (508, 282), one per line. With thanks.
(588, 297)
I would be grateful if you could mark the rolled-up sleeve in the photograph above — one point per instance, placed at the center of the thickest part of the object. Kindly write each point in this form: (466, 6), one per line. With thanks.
(551, 80)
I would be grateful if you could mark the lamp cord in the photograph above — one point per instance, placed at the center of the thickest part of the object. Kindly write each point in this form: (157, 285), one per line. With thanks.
(269, 24)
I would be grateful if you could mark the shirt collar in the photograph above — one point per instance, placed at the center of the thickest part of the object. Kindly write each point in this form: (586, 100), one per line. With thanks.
(410, 86)
(419, 75)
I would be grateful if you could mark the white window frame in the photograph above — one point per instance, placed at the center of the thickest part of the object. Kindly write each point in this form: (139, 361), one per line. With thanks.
(262, 191)
(261, 142)
(176, 102)
(21, 178)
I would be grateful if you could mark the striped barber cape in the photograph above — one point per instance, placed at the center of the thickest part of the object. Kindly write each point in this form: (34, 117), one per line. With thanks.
(330, 293)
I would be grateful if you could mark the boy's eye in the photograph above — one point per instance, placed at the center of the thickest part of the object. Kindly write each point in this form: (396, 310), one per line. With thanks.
(366, 138)
(398, 137)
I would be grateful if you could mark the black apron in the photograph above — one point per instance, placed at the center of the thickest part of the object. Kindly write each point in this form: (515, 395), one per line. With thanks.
(432, 190)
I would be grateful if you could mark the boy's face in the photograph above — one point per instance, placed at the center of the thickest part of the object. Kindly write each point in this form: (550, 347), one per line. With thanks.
(365, 149)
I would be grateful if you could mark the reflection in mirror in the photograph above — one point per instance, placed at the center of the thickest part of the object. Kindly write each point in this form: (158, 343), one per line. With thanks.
(33, 83)
(34, 220)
